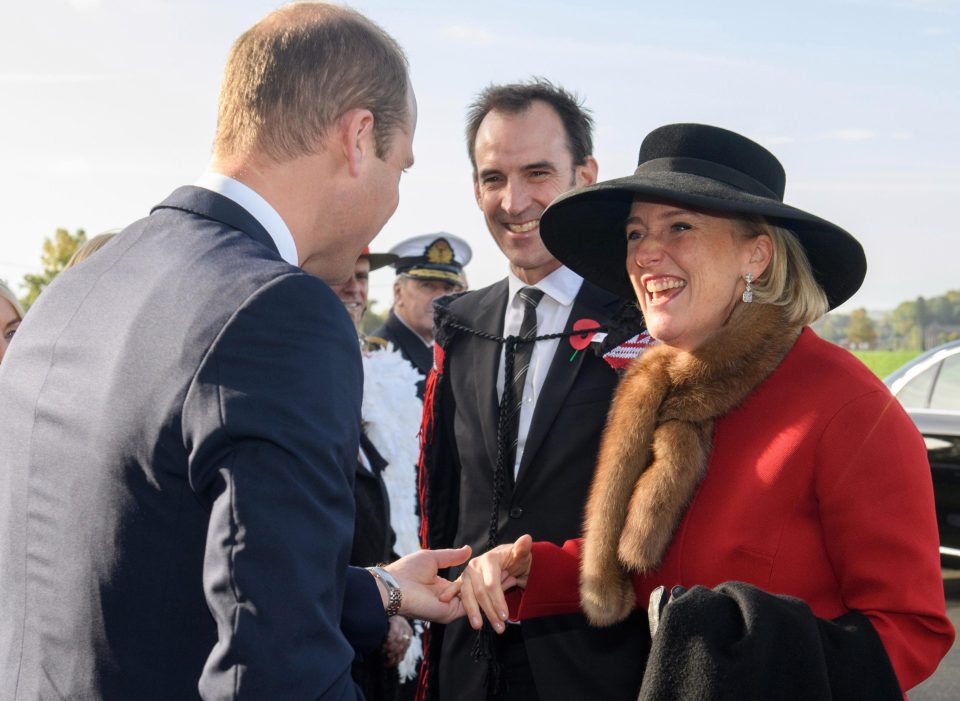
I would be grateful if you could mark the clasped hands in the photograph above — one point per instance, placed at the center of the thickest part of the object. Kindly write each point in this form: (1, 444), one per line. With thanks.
(478, 590)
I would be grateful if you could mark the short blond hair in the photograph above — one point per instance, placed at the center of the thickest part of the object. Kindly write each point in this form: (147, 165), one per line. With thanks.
(89, 247)
(788, 280)
(7, 294)
(294, 73)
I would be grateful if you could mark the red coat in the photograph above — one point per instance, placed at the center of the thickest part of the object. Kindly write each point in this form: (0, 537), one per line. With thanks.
(818, 487)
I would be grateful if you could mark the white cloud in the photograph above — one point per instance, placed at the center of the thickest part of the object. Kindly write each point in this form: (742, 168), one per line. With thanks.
(850, 135)
(878, 185)
(51, 77)
(929, 4)
(72, 166)
(935, 31)
(947, 7)
(86, 4)
(476, 36)
(776, 140)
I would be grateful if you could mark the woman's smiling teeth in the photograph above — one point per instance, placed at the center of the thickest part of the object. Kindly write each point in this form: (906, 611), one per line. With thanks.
(524, 227)
(660, 287)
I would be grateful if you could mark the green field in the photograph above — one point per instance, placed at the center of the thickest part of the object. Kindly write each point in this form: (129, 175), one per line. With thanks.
(884, 362)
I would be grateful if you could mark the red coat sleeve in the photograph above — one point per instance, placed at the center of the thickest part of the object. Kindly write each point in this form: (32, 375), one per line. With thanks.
(553, 585)
(879, 529)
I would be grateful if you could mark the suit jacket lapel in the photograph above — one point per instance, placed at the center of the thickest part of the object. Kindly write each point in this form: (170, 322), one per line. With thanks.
(212, 205)
(591, 303)
(486, 360)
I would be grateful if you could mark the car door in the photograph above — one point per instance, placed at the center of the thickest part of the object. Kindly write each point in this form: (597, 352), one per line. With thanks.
(932, 398)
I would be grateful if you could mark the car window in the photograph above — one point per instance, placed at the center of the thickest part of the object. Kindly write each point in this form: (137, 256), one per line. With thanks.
(946, 393)
(916, 393)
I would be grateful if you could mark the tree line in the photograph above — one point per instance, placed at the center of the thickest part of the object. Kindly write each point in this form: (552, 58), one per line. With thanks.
(916, 325)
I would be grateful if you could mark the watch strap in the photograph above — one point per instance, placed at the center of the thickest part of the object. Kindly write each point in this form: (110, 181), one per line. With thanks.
(394, 595)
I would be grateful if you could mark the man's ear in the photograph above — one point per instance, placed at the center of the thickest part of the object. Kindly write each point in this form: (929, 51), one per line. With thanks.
(396, 291)
(356, 138)
(586, 173)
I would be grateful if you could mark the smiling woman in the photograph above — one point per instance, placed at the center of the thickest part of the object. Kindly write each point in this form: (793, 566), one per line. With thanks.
(744, 458)
(688, 269)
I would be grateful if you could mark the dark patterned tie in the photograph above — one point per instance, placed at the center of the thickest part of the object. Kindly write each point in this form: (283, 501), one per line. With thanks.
(530, 296)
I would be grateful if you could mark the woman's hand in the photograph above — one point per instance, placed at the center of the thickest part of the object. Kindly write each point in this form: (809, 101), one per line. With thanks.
(486, 577)
(399, 634)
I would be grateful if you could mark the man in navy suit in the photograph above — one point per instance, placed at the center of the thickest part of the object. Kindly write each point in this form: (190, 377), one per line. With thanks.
(181, 411)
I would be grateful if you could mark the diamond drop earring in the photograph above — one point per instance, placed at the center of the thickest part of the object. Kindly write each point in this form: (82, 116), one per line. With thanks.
(748, 293)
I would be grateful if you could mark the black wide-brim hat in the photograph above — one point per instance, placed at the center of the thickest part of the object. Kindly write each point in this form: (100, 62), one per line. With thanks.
(705, 168)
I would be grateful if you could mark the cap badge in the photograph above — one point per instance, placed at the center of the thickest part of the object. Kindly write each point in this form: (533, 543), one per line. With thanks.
(440, 252)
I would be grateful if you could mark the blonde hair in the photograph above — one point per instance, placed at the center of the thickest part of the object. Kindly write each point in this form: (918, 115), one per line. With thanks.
(89, 247)
(7, 294)
(294, 73)
(788, 281)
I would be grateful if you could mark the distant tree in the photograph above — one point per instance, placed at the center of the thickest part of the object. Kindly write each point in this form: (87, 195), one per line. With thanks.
(56, 252)
(953, 297)
(832, 327)
(923, 318)
(372, 319)
(913, 325)
(939, 310)
(905, 326)
(861, 332)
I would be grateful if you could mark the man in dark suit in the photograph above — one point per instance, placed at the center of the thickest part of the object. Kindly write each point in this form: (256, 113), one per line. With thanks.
(175, 495)
(428, 267)
(504, 457)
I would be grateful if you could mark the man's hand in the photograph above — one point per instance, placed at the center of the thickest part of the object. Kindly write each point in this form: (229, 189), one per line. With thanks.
(486, 577)
(417, 576)
(399, 634)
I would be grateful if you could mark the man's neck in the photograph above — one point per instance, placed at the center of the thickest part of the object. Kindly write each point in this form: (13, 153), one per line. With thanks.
(287, 186)
(427, 340)
(531, 276)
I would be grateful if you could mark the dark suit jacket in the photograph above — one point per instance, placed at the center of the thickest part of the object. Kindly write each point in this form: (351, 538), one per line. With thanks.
(372, 544)
(410, 344)
(176, 494)
(569, 659)
(373, 537)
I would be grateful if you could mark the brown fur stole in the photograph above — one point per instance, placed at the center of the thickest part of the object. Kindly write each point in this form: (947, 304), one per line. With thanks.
(655, 448)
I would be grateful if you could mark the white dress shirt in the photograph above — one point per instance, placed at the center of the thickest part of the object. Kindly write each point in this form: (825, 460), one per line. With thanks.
(559, 288)
(259, 209)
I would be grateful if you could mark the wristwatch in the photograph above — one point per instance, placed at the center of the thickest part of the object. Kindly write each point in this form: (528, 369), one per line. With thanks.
(394, 595)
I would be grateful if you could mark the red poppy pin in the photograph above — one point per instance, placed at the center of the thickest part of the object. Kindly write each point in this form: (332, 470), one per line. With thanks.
(582, 340)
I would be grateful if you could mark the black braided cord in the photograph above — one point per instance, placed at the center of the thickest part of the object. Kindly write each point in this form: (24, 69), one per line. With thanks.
(483, 646)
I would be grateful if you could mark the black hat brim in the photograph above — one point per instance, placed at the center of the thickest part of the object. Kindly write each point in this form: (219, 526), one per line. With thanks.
(585, 229)
(380, 260)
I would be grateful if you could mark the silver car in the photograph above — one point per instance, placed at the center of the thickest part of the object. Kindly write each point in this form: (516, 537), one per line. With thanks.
(929, 389)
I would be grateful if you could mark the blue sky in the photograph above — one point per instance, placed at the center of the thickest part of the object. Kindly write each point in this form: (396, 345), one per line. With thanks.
(108, 105)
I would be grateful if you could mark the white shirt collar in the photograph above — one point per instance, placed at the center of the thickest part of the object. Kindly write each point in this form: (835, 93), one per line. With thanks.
(562, 285)
(259, 208)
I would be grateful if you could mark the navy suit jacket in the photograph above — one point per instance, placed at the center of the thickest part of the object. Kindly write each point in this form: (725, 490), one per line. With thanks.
(180, 422)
